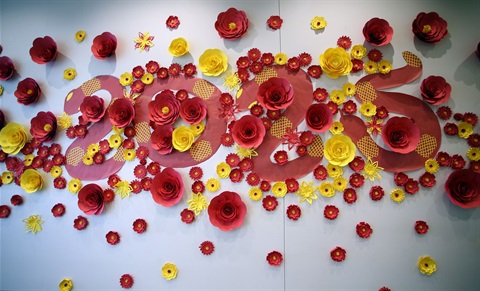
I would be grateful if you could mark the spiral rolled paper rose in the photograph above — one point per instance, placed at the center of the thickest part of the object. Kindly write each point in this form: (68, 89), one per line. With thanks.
(178, 47)
(121, 112)
(435, 90)
(318, 117)
(213, 62)
(43, 50)
(161, 139)
(248, 131)
(429, 27)
(92, 108)
(165, 109)
(227, 211)
(90, 199)
(13, 138)
(182, 138)
(401, 134)
(27, 91)
(167, 187)
(232, 24)
(275, 93)
(104, 45)
(335, 62)
(463, 188)
(193, 110)
(31, 181)
(339, 150)
(7, 68)
(377, 32)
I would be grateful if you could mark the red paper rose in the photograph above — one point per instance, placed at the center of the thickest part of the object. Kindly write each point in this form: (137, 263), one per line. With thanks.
(248, 131)
(463, 188)
(121, 112)
(401, 134)
(92, 108)
(193, 110)
(274, 22)
(227, 211)
(16, 200)
(161, 139)
(104, 45)
(90, 199)
(232, 24)
(165, 109)
(435, 90)
(80, 222)
(27, 91)
(44, 50)
(429, 27)
(275, 93)
(318, 117)
(167, 187)
(6, 68)
(377, 32)
(43, 126)
(274, 258)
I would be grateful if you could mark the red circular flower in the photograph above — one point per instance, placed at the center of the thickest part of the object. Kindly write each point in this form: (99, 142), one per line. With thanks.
(458, 162)
(58, 210)
(188, 216)
(256, 67)
(44, 50)
(427, 180)
(275, 93)
(401, 134)
(236, 175)
(350, 195)
(165, 109)
(140, 225)
(172, 22)
(253, 179)
(267, 59)
(294, 212)
(16, 200)
(292, 185)
(384, 289)
(27, 91)
(80, 222)
(314, 71)
(198, 187)
(104, 45)
(207, 247)
(126, 281)
(43, 127)
(421, 227)
(357, 65)
(59, 183)
(435, 90)
(113, 180)
(376, 193)
(293, 64)
(344, 42)
(473, 140)
(227, 211)
(196, 173)
(264, 186)
(121, 112)
(90, 199)
(274, 22)
(246, 164)
(382, 112)
(357, 164)
(338, 254)
(4, 211)
(6, 68)
(375, 55)
(429, 27)
(248, 131)
(243, 62)
(320, 173)
(92, 108)
(356, 180)
(280, 157)
(400, 178)
(305, 59)
(463, 188)
(443, 159)
(153, 168)
(319, 117)
(189, 69)
(444, 112)
(306, 138)
(269, 203)
(112, 237)
(411, 187)
(274, 258)
(193, 110)
(330, 212)
(174, 69)
(232, 24)
(161, 139)
(377, 32)
(108, 195)
(364, 230)
(167, 187)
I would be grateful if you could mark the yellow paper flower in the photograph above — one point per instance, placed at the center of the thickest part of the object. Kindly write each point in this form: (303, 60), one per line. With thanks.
(74, 185)
(371, 170)
(318, 22)
(7, 177)
(340, 184)
(337, 97)
(245, 152)
(339, 150)
(169, 271)
(473, 154)
(213, 62)
(255, 193)
(349, 89)
(64, 121)
(223, 170)
(56, 171)
(326, 189)
(368, 109)
(33, 223)
(129, 154)
(231, 81)
(126, 79)
(306, 192)
(13, 137)
(87, 159)
(197, 129)
(198, 203)
(115, 140)
(335, 62)
(334, 171)
(397, 195)
(370, 67)
(118, 130)
(1, 90)
(69, 74)
(31, 181)
(281, 59)
(431, 166)
(358, 52)
(93, 149)
(65, 285)
(279, 189)
(336, 128)
(182, 138)
(426, 265)
(178, 47)
(28, 160)
(123, 188)
(212, 184)
(464, 129)
(144, 41)
(384, 66)
(147, 78)
(80, 35)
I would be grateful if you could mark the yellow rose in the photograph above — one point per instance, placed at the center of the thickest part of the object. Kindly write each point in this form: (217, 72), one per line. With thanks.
(318, 22)
(31, 181)
(426, 265)
(169, 271)
(69, 74)
(13, 137)
(213, 62)
(335, 62)
(182, 138)
(178, 47)
(359, 51)
(339, 150)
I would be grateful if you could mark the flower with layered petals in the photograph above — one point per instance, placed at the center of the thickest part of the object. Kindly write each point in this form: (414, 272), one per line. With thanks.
(213, 62)
(13, 138)
(330, 212)
(167, 187)
(376, 193)
(429, 27)
(112, 237)
(187, 216)
(139, 225)
(384, 67)
(104, 45)
(335, 62)
(255, 193)
(4, 211)
(274, 258)
(464, 129)
(338, 254)
(43, 127)
(65, 285)
(7, 68)
(397, 195)
(207, 248)
(377, 32)
(223, 170)
(370, 67)
(318, 117)
(364, 230)
(178, 47)
(318, 22)
(172, 22)
(275, 93)
(43, 50)
(463, 188)
(339, 150)
(421, 227)
(248, 131)
(126, 281)
(80, 222)
(270, 203)
(161, 139)
(69, 74)
(28, 91)
(473, 154)
(33, 223)
(193, 110)
(90, 199)
(121, 112)
(197, 203)
(401, 134)
(426, 265)
(144, 41)
(232, 24)
(344, 42)
(80, 35)
(274, 22)
(31, 181)
(279, 189)
(326, 189)
(182, 138)
(227, 211)
(435, 90)
(306, 192)
(350, 195)
(294, 212)
(58, 210)
(169, 271)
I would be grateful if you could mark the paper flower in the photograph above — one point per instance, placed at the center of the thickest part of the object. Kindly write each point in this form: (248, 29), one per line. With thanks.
(92, 108)
(326, 189)
(165, 109)
(167, 187)
(7, 68)
(80, 35)
(31, 181)
(255, 193)
(213, 62)
(90, 199)
(294, 212)
(80, 222)
(376, 193)
(172, 22)
(274, 258)
(377, 32)
(358, 52)
(193, 110)
(248, 131)
(187, 216)
(104, 45)
(144, 41)
(232, 24)
(318, 22)
(274, 22)
(330, 212)
(227, 211)
(169, 271)
(339, 150)
(197, 203)
(338, 254)
(275, 93)
(126, 281)
(112, 237)
(335, 62)
(4, 211)
(401, 134)
(16, 200)
(435, 90)
(182, 138)
(364, 230)
(65, 285)
(429, 27)
(350, 195)
(121, 112)
(161, 139)
(370, 67)
(306, 192)
(269, 203)
(43, 50)
(28, 91)
(421, 227)
(344, 42)
(178, 47)
(384, 67)
(397, 195)
(43, 127)
(139, 225)
(426, 265)
(33, 224)
(13, 138)
(207, 248)
(58, 210)
(463, 188)
(318, 117)
(69, 74)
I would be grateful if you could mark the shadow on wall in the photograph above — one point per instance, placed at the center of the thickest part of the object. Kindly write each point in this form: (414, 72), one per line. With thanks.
(430, 50)
(469, 71)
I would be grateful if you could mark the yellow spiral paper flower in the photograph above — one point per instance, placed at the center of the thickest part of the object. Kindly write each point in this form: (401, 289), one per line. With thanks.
(339, 150)
(213, 62)
(13, 137)
(182, 138)
(31, 181)
(426, 265)
(65, 285)
(318, 22)
(178, 47)
(335, 62)
(169, 271)
(126, 79)
(279, 189)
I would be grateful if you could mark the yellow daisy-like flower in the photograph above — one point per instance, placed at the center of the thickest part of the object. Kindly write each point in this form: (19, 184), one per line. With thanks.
(336, 127)
(115, 140)
(318, 22)
(358, 52)
(212, 185)
(69, 74)
(281, 59)
(169, 271)
(370, 67)
(33, 223)
(197, 129)
(56, 171)
(279, 189)
(74, 185)
(147, 78)
(28, 160)
(213, 62)
(340, 184)
(64, 121)
(126, 79)
(464, 129)
(255, 193)
(80, 35)
(306, 192)
(87, 159)
(93, 149)
(198, 203)
(231, 81)
(65, 285)
(31, 181)
(326, 189)
(349, 89)
(426, 265)
(368, 109)
(245, 152)
(371, 170)
(7, 177)
(178, 47)
(337, 96)
(397, 195)
(473, 154)
(334, 171)
(144, 41)
(431, 166)
(223, 170)
(123, 188)
(129, 154)
(384, 66)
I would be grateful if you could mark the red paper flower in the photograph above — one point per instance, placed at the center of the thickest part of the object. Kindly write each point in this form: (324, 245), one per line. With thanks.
(320, 173)
(401, 134)
(90, 199)
(248, 131)
(356, 180)
(104, 45)
(172, 22)
(330, 212)
(16, 200)
(153, 168)
(269, 203)
(165, 109)
(264, 186)
(207, 247)
(254, 54)
(293, 64)
(376, 193)
(293, 212)
(108, 195)
(80, 222)
(315, 71)
(357, 164)
(189, 69)
(274, 258)
(139, 225)
(350, 195)
(473, 140)
(382, 112)
(450, 129)
(6, 68)
(411, 187)
(167, 187)
(458, 162)
(44, 50)
(174, 69)
(384, 289)
(364, 230)
(196, 173)
(4, 211)
(256, 67)
(275, 93)
(232, 24)
(27, 91)
(377, 32)
(305, 59)
(236, 175)
(227, 211)
(112, 237)
(357, 65)
(281, 157)
(267, 59)
(43, 127)
(274, 22)
(435, 90)
(463, 188)
(318, 117)
(92, 108)
(121, 112)
(421, 227)
(188, 216)
(58, 210)
(443, 159)
(161, 139)
(427, 180)
(59, 183)
(429, 27)
(375, 55)
(470, 118)
(246, 165)
(113, 180)
(444, 112)
(338, 254)
(126, 281)
(193, 110)
(344, 42)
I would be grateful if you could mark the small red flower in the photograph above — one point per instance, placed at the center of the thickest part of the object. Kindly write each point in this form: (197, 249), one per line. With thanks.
(269, 203)
(140, 171)
(275, 258)
(172, 22)
(400, 178)
(232, 160)
(136, 186)
(188, 216)
(58, 210)
(112, 237)
(198, 187)
(470, 118)
(16, 200)
(113, 180)
(356, 180)
(256, 67)
(126, 281)
(274, 22)
(246, 165)
(60, 182)
(301, 150)
(264, 186)
(80, 222)
(207, 247)
(254, 54)
(315, 71)
(153, 168)
(357, 164)
(320, 173)
(350, 195)
(294, 212)
(473, 140)
(344, 42)
(256, 110)
(421, 227)
(411, 187)
(152, 67)
(330, 212)
(243, 62)
(267, 59)
(357, 65)
(189, 69)
(174, 69)
(4, 211)
(450, 128)
(236, 175)
(305, 59)
(146, 183)
(382, 112)
(338, 254)
(253, 179)
(384, 289)
(444, 112)
(364, 230)
(292, 185)
(443, 159)
(140, 225)
(293, 64)
(375, 55)
(196, 173)
(227, 139)
(108, 195)
(458, 162)
(427, 180)
(281, 157)
(376, 193)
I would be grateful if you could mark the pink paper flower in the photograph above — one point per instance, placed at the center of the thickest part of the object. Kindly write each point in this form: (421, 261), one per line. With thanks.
(401, 134)
(377, 32)
(227, 211)
(44, 50)
(90, 199)
(248, 131)
(104, 45)
(232, 24)
(275, 93)
(167, 187)
(27, 91)
(435, 90)
(6, 68)
(429, 27)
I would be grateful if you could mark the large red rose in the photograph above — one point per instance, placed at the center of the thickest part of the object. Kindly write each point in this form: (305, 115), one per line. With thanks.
(275, 93)
(401, 134)
(232, 23)
(92, 108)
(435, 90)
(44, 50)
(167, 187)
(429, 27)
(6, 68)
(161, 139)
(43, 126)
(227, 211)
(248, 131)
(104, 45)
(27, 91)
(90, 199)
(377, 32)
(121, 112)
(319, 117)
(193, 110)
(164, 109)
(463, 188)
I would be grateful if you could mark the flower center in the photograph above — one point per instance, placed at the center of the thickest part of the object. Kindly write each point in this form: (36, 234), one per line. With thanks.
(165, 110)
(232, 25)
(426, 28)
(47, 127)
(29, 91)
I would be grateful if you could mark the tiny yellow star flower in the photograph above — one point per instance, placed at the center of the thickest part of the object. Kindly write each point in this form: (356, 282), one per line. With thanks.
(123, 188)
(306, 192)
(231, 81)
(33, 223)
(371, 169)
